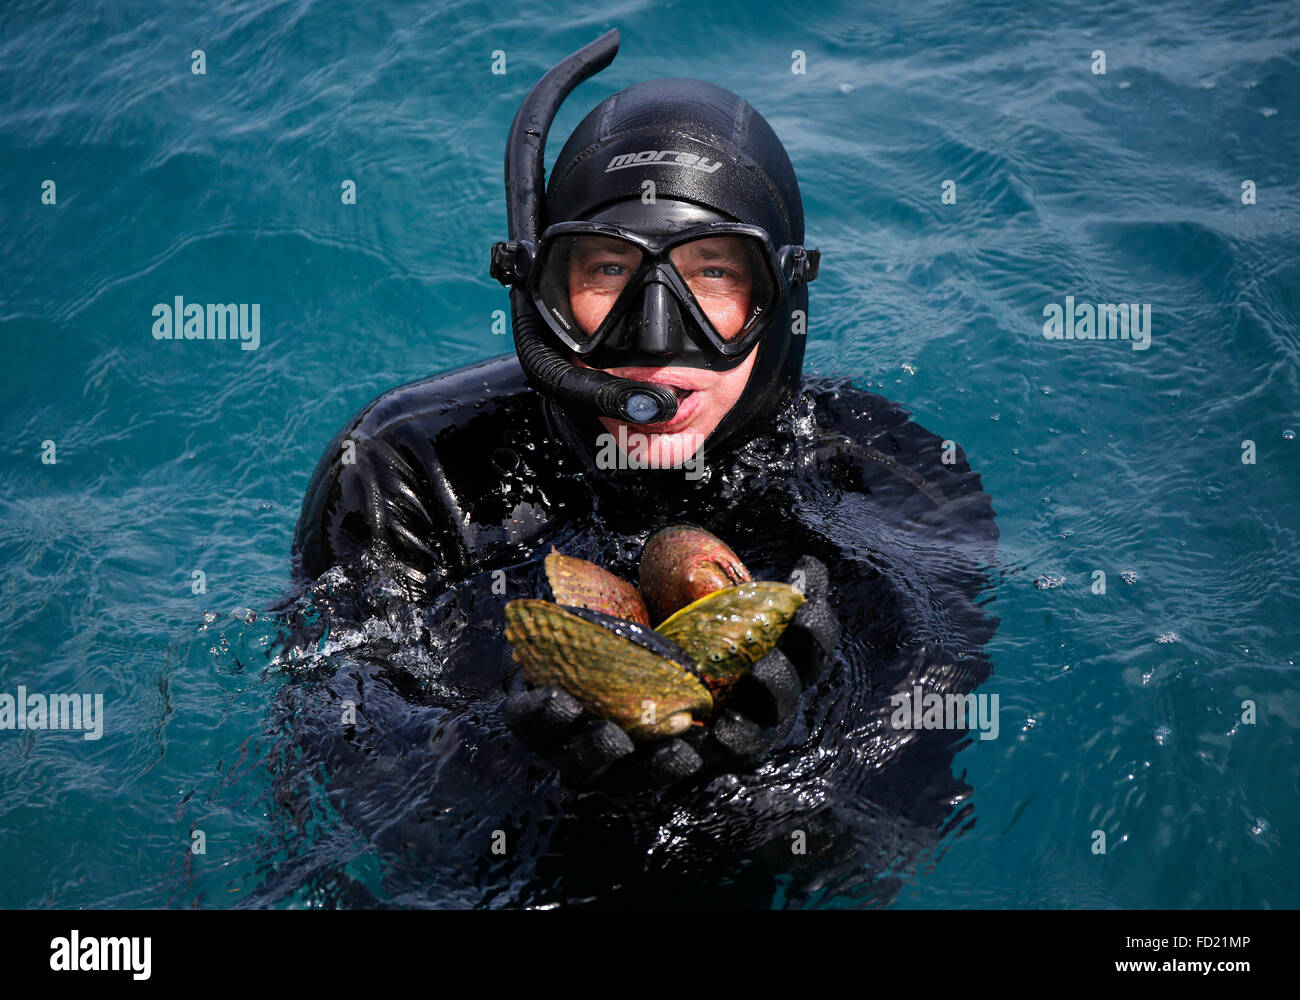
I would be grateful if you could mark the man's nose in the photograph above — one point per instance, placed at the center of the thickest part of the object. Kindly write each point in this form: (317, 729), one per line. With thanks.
(656, 333)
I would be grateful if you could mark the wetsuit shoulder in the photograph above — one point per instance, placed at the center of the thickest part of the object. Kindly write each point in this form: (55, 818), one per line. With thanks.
(884, 452)
(403, 481)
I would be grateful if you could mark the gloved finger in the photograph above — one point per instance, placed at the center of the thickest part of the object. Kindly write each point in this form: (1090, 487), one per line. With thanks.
(810, 638)
(741, 740)
(654, 767)
(769, 693)
(540, 716)
(512, 676)
(584, 757)
(810, 577)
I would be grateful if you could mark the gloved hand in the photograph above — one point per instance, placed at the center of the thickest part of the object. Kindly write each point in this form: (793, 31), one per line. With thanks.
(756, 712)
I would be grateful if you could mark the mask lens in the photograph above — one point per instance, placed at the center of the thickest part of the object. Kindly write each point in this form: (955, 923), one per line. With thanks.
(582, 277)
(730, 280)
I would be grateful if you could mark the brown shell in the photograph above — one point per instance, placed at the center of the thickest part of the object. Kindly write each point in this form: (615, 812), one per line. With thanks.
(612, 676)
(730, 630)
(681, 564)
(577, 583)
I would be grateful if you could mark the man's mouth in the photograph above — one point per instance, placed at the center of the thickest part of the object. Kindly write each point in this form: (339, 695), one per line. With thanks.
(666, 378)
(686, 407)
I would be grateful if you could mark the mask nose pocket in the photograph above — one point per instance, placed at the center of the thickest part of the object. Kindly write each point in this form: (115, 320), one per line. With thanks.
(658, 333)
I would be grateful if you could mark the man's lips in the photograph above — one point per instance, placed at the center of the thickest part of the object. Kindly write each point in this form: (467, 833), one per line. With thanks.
(682, 381)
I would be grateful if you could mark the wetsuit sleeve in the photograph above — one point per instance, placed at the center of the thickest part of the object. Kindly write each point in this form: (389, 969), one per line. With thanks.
(368, 501)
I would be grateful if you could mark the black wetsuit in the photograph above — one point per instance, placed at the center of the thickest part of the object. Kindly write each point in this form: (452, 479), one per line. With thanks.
(442, 508)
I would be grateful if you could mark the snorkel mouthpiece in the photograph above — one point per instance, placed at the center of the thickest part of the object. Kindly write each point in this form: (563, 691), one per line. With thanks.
(546, 368)
(644, 408)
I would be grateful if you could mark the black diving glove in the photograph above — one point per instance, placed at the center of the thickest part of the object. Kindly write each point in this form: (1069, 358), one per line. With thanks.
(755, 714)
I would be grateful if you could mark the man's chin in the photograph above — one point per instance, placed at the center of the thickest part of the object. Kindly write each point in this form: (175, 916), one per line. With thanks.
(653, 449)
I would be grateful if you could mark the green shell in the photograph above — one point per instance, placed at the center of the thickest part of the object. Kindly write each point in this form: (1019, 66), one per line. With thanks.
(730, 630)
(629, 678)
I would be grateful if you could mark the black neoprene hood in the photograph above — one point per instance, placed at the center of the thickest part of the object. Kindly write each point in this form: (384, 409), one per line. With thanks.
(698, 143)
(647, 158)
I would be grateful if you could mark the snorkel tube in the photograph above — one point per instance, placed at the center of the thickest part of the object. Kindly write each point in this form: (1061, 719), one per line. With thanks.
(546, 368)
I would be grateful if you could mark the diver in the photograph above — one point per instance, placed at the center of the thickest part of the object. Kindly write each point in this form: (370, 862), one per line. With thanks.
(659, 291)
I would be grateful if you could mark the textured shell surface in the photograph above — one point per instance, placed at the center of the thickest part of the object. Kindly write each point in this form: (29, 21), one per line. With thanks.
(730, 630)
(579, 583)
(626, 680)
(682, 563)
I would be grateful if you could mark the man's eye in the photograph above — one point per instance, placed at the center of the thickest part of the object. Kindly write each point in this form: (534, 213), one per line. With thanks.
(612, 270)
(715, 274)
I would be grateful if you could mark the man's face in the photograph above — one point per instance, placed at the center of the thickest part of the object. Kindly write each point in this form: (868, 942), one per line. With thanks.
(719, 273)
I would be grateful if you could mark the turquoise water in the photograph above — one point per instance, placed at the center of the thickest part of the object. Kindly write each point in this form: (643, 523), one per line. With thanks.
(1121, 712)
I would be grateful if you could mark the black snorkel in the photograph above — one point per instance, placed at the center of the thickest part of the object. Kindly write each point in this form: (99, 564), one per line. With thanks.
(546, 368)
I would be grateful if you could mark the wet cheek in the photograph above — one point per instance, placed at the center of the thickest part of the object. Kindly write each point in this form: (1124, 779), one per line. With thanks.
(721, 396)
(732, 385)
